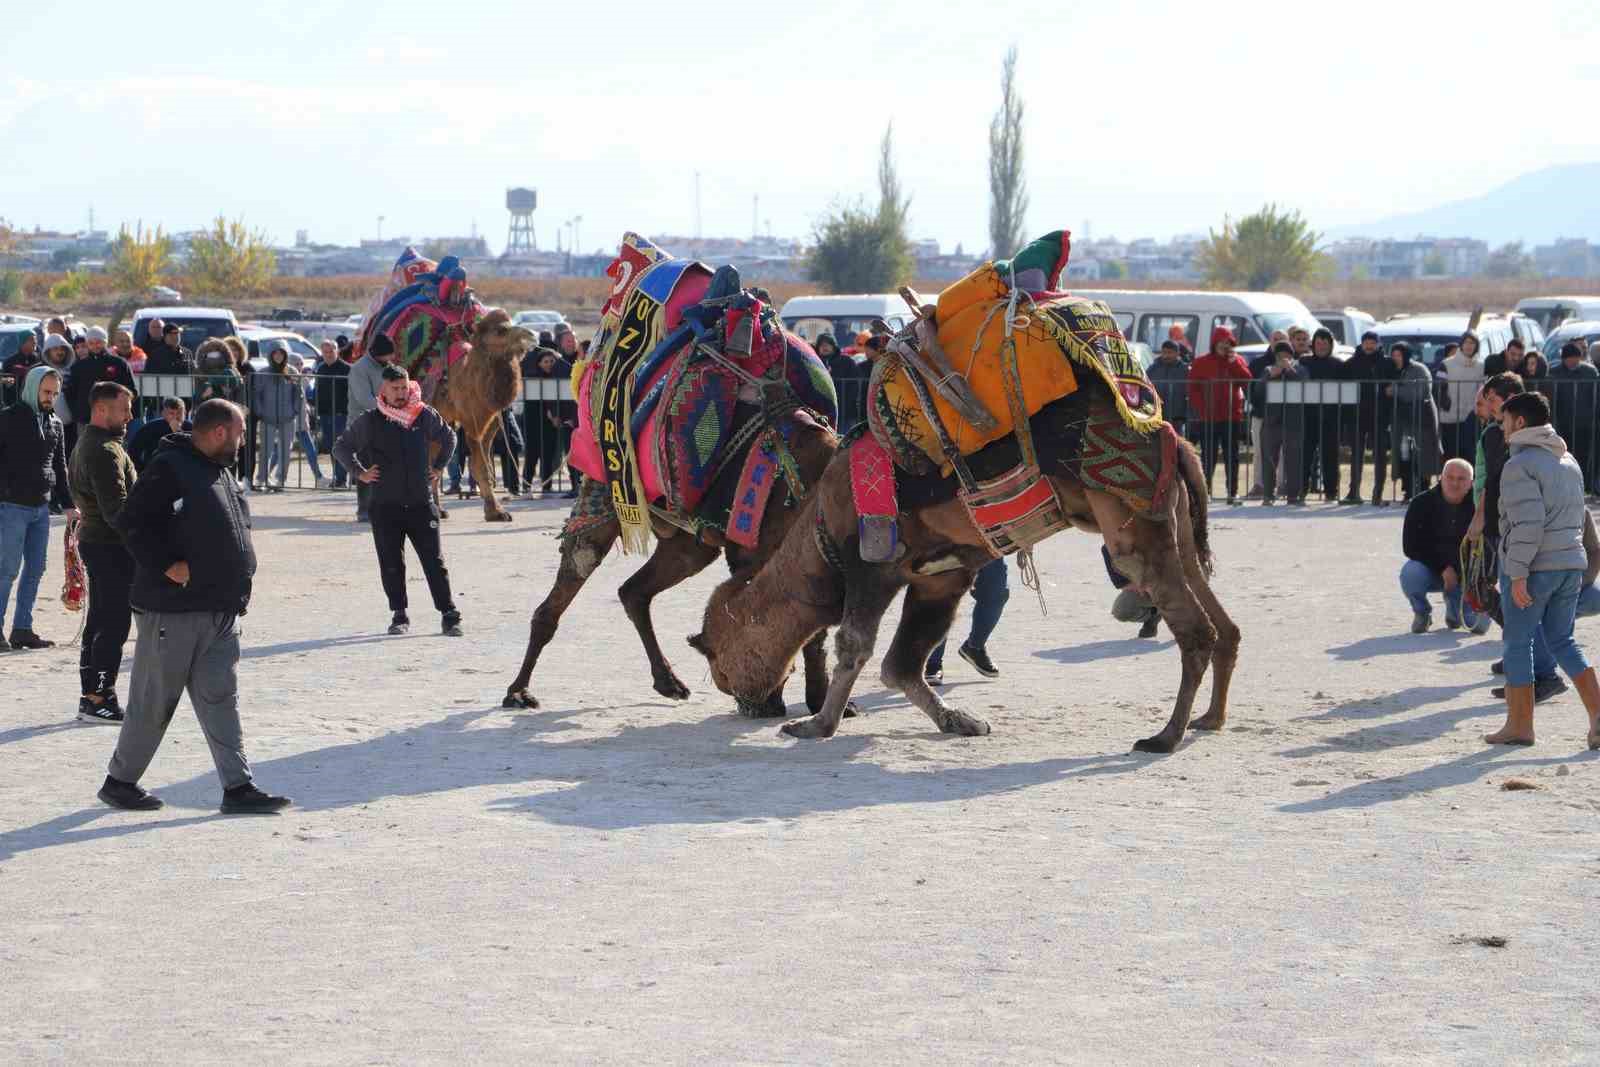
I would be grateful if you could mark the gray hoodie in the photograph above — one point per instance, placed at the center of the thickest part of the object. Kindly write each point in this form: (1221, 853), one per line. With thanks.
(366, 378)
(1541, 506)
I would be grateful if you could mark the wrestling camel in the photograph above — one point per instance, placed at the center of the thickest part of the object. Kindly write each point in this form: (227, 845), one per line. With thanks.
(677, 556)
(475, 391)
(819, 579)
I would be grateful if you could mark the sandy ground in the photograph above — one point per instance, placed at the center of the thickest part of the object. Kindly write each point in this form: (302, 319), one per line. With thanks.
(616, 877)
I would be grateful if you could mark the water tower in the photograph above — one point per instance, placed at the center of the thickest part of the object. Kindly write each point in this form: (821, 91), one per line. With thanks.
(519, 239)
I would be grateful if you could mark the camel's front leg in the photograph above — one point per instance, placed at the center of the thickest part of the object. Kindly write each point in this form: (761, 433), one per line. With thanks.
(869, 590)
(483, 471)
(925, 619)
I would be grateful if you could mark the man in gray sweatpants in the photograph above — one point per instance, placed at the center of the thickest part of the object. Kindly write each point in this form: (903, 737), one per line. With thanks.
(187, 525)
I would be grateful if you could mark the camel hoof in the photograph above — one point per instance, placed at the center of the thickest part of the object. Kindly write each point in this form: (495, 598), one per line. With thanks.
(1208, 721)
(807, 729)
(497, 516)
(520, 699)
(1160, 743)
(669, 687)
(963, 725)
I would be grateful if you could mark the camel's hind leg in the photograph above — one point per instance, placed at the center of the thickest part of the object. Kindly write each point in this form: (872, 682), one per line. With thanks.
(1226, 653)
(867, 597)
(674, 560)
(1147, 551)
(581, 554)
(925, 618)
(483, 471)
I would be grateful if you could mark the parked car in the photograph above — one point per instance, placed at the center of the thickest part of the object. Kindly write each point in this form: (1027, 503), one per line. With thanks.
(1346, 324)
(1551, 311)
(1427, 334)
(162, 294)
(10, 319)
(843, 316)
(1526, 329)
(1585, 331)
(197, 324)
(537, 319)
(1147, 316)
(302, 353)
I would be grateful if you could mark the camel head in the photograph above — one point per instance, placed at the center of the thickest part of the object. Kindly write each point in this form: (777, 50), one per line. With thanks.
(740, 666)
(495, 336)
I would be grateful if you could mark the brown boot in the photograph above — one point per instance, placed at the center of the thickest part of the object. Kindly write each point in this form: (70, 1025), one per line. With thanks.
(1518, 729)
(1589, 689)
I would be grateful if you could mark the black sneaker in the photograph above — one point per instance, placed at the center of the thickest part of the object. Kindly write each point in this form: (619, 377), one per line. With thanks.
(450, 625)
(128, 796)
(29, 639)
(248, 800)
(979, 658)
(1543, 689)
(105, 713)
(5, 646)
(1497, 667)
(400, 624)
(1148, 630)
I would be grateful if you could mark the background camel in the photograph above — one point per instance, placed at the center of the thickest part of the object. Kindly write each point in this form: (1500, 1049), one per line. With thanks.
(476, 390)
(751, 646)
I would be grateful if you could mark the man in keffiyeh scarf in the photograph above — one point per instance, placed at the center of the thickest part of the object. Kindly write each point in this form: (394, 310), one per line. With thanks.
(398, 449)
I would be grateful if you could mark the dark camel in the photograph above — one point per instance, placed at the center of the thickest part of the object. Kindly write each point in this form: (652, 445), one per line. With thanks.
(751, 646)
(679, 556)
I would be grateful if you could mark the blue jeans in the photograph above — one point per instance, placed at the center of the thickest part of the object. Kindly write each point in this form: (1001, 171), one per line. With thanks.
(990, 591)
(24, 536)
(1554, 609)
(1417, 580)
(309, 447)
(332, 428)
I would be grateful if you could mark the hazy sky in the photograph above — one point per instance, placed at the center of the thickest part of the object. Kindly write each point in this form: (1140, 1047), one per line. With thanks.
(1144, 119)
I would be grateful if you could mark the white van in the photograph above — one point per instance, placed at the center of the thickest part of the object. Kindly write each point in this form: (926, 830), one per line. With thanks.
(1551, 311)
(843, 316)
(1146, 316)
(196, 323)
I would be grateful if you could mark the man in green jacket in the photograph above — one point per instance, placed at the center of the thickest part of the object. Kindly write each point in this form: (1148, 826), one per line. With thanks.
(100, 475)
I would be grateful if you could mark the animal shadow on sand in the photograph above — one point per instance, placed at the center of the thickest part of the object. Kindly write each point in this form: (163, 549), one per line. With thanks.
(1453, 644)
(666, 774)
(1460, 771)
(1098, 651)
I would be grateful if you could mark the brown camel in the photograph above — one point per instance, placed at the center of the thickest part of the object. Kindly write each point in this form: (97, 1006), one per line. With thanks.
(751, 645)
(677, 556)
(476, 390)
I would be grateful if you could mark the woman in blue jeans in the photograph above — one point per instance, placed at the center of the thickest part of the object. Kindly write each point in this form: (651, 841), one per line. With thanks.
(990, 591)
(1541, 564)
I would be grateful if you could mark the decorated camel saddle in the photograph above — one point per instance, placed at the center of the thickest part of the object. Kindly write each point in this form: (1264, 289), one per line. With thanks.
(428, 311)
(688, 403)
(967, 376)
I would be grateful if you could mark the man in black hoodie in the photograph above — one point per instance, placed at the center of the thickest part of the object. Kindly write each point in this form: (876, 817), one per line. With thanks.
(1368, 366)
(100, 365)
(850, 378)
(187, 525)
(1320, 446)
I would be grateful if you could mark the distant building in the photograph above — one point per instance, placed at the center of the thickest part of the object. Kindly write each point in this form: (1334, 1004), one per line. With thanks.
(1568, 258)
(1423, 257)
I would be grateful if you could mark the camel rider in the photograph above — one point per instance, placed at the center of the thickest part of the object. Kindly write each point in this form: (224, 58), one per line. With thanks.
(397, 450)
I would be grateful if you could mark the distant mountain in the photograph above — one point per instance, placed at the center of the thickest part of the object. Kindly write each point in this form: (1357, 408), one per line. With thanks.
(1536, 209)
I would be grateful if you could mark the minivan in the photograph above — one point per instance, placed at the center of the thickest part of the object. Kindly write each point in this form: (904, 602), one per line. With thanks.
(1551, 311)
(843, 316)
(197, 324)
(1146, 316)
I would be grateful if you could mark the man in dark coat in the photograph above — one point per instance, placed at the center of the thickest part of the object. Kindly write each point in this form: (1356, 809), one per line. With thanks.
(187, 526)
(33, 477)
(1573, 385)
(1436, 521)
(168, 356)
(1370, 367)
(101, 364)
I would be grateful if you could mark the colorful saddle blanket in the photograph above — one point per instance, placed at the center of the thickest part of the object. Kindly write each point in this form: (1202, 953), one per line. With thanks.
(1058, 338)
(687, 365)
(428, 311)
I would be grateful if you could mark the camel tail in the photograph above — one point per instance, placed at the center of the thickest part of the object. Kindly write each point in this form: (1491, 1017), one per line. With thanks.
(1199, 503)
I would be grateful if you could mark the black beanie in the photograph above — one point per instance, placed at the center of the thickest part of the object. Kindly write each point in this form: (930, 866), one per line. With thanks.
(382, 346)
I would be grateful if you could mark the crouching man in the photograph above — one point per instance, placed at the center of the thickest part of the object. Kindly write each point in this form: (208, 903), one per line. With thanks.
(397, 450)
(187, 525)
(1436, 521)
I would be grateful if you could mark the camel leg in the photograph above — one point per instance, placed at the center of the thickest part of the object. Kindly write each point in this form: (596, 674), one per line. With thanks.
(1226, 653)
(815, 657)
(1162, 575)
(581, 555)
(483, 470)
(867, 597)
(674, 560)
(925, 619)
